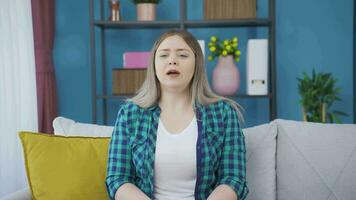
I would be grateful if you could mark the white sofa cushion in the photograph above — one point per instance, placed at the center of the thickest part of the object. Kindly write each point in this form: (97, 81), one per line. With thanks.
(316, 161)
(261, 161)
(67, 127)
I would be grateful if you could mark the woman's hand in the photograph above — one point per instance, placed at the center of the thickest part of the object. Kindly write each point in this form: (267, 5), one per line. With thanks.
(129, 191)
(223, 192)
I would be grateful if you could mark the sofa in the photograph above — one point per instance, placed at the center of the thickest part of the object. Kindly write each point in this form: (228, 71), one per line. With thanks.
(286, 160)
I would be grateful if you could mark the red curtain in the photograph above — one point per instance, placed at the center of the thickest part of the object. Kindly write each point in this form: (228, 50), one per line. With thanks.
(43, 33)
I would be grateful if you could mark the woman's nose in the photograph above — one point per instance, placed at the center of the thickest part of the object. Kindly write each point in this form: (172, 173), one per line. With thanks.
(172, 60)
(172, 63)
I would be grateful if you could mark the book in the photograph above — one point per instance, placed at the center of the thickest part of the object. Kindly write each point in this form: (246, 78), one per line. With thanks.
(136, 59)
(230, 9)
(127, 81)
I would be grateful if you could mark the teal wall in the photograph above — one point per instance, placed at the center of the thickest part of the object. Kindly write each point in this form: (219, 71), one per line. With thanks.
(309, 34)
(354, 58)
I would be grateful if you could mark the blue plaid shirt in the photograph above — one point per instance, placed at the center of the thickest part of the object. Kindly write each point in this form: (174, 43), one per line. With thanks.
(220, 149)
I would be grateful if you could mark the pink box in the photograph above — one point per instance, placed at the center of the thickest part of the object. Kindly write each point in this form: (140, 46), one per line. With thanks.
(136, 59)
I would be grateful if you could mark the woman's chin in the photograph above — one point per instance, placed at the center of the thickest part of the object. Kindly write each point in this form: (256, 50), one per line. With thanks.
(174, 86)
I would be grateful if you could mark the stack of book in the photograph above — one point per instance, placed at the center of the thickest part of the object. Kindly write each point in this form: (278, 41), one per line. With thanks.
(128, 79)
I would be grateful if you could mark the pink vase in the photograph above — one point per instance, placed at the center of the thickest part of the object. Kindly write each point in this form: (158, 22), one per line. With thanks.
(226, 76)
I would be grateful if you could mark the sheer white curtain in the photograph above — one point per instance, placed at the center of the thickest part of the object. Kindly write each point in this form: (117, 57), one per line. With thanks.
(18, 101)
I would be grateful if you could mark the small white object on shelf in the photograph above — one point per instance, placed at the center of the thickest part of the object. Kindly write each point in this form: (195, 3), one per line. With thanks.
(257, 67)
(202, 46)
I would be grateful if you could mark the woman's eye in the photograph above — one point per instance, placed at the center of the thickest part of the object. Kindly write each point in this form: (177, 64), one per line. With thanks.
(163, 55)
(183, 56)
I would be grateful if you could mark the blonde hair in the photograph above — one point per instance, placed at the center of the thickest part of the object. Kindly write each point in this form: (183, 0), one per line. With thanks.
(150, 91)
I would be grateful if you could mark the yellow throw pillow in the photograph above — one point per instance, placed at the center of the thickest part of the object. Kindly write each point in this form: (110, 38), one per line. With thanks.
(60, 167)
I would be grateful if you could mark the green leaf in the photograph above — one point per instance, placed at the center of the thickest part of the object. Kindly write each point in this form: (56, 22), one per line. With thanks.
(340, 113)
(337, 120)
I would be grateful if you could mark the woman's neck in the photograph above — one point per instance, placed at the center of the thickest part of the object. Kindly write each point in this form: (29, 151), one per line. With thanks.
(175, 101)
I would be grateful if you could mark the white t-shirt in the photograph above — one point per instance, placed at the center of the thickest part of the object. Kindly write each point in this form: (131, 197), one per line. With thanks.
(175, 163)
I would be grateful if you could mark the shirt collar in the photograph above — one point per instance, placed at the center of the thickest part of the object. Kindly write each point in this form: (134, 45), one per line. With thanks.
(198, 107)
(155, 107)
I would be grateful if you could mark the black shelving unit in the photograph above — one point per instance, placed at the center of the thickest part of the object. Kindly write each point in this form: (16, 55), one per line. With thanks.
(182, 23)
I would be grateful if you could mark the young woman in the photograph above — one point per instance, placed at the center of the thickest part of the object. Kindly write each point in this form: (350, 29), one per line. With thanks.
(176, 139)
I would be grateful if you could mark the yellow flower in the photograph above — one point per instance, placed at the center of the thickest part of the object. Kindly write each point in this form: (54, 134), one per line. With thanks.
(228, 46)
(213, 38)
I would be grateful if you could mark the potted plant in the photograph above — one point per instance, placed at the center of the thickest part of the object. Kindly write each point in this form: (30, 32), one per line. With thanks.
(146, 9)
(226, 76)
(318, 93)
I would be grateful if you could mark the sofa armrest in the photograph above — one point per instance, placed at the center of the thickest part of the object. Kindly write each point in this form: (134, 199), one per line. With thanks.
(23, 194)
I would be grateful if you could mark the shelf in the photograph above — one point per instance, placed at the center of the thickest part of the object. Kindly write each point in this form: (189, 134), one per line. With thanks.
(232, 96)
(188, 23)
(137, 24)
(227, 23)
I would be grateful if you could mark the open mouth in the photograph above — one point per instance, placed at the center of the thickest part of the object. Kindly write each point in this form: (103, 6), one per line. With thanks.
(173, 72)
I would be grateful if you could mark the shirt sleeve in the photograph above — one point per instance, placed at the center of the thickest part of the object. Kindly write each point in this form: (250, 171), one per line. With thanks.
(119, 166)
(232, 168)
